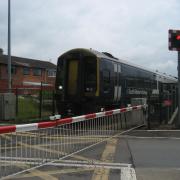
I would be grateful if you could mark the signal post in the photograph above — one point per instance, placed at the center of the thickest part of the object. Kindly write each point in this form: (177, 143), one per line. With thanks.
(174, 45)
(178, 121)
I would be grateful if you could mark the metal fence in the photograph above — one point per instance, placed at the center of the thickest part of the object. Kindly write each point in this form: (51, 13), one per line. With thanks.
(32, 104)
(23, 147)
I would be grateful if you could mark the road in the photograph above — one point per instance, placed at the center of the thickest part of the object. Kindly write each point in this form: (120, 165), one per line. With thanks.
(141, 155)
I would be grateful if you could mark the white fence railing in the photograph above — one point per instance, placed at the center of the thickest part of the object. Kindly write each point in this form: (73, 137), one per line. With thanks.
(26, 146)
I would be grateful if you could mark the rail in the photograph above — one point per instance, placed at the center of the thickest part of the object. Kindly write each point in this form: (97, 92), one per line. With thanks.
(27, 146)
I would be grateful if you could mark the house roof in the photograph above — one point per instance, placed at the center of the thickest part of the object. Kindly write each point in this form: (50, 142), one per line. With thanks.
(19, 61)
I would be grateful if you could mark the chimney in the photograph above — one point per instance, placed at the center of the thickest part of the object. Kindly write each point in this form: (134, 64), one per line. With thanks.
(1, 51)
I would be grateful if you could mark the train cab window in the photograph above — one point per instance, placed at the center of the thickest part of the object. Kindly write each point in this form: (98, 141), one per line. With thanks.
(90, 79)
(106, 81)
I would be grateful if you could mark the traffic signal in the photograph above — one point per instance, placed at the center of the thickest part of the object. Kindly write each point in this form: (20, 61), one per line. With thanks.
(174, 40)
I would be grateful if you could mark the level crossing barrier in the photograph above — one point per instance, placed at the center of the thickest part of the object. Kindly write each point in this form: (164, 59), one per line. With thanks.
(26, 146)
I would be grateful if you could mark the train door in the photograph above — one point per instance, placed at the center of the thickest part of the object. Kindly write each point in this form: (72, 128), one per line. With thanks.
(117, 85)
(72, 84)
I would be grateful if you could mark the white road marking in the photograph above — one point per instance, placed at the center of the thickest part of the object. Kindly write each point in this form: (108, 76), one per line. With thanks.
(149, 137)
(128, 174)
(90, 164)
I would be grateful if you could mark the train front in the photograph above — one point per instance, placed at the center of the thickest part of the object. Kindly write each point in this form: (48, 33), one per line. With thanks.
(76, 82)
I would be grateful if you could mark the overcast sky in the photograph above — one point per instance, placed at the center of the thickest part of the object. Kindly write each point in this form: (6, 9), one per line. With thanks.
(133, 30)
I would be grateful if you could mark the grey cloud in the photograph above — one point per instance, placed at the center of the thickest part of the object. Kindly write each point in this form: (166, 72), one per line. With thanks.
(133, 30)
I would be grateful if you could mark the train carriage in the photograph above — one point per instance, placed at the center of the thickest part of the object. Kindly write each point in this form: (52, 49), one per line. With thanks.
(89, 81)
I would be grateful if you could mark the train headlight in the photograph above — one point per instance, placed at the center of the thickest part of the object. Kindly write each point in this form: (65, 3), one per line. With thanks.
(89, 89)
(60, 87)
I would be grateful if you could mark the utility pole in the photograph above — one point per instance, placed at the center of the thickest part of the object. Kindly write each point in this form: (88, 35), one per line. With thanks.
(9, 45)
(174, 45)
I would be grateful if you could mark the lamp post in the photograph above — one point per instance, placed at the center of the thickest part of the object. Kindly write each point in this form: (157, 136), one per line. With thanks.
(9, 45)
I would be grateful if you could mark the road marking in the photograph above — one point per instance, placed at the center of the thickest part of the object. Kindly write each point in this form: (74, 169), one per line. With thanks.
(101, 166)
(49, 150)
(9, 147)
(42, 174)
(111, 137)
(148, 137)
(56, 172)
(128, 174)
(107, 156)
(92, 164)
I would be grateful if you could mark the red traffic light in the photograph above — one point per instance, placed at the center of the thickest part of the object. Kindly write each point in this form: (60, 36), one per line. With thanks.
(174, 40)
(178, 37)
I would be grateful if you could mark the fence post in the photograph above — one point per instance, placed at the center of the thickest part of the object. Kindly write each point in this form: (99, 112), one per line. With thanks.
(53, 103)
(17, 109)
(40, 102)
(125, 120)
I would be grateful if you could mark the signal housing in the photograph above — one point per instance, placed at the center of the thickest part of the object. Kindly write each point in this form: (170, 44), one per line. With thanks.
(174, 40)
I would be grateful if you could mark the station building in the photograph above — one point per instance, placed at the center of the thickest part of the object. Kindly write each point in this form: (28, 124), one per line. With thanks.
(26, 72)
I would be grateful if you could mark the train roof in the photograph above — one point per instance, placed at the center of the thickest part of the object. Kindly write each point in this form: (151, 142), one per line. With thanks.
(159, 76)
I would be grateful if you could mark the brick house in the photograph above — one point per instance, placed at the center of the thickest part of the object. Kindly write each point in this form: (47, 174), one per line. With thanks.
(26, 72)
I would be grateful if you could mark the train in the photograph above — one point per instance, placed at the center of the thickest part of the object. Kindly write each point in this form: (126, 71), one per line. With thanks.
(89, 81)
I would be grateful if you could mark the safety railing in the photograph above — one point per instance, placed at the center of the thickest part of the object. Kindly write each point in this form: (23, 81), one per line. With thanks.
(23, 147)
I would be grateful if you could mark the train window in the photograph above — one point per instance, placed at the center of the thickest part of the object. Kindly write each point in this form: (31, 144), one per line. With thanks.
(119, 68)
(90, 80)
(106, 80)
(115, 74)
(131, 82)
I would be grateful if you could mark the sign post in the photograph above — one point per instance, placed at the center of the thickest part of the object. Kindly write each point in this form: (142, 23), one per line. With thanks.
(174, 45)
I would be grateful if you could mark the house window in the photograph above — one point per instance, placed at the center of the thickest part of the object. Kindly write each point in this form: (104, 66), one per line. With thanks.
(13, 70)
(26, 71)
(37, 72)
(51, 73)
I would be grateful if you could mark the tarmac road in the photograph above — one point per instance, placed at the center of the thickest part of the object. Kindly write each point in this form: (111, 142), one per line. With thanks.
(154, 155)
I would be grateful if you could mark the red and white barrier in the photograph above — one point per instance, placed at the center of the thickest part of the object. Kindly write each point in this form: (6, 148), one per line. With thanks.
(56, 121)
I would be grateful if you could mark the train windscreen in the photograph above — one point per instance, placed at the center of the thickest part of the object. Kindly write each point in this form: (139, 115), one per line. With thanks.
(90, 74)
